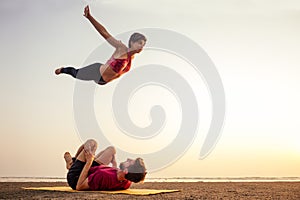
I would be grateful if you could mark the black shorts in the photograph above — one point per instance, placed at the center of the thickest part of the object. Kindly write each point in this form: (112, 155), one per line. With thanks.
(75, 171)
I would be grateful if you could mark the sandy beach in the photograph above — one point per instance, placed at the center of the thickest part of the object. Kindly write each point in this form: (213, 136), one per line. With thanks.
(199, 190)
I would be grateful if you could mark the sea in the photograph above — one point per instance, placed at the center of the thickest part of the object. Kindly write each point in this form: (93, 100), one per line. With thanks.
(174, 179)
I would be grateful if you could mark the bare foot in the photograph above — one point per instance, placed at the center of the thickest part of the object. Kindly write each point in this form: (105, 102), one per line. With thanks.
(58, 71)
(68, 159)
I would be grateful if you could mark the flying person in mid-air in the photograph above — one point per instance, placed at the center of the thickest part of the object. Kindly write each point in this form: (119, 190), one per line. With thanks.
(118, 64)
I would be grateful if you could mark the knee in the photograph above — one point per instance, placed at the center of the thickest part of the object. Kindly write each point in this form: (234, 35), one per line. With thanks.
(90, 145)
(91, 142)
(112, 149)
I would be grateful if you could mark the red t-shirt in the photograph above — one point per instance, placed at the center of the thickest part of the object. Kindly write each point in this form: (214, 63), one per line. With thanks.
(105, 178)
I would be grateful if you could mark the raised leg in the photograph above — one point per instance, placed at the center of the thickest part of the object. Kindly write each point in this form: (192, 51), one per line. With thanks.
(68, 159)
(107, 156)
(90, 146)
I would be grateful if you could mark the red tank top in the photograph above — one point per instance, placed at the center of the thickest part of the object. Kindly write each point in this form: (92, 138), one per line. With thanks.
(120, 66)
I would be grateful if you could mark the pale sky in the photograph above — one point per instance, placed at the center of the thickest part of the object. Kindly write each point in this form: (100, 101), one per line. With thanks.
(254, 45)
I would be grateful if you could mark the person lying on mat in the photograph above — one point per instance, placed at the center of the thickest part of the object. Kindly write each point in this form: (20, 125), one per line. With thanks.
(90, 172)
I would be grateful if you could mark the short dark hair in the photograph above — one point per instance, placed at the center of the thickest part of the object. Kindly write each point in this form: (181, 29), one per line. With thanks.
(137, 171)
(136, 37)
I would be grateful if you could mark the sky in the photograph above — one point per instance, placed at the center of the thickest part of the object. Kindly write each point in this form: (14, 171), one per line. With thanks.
(253, 44)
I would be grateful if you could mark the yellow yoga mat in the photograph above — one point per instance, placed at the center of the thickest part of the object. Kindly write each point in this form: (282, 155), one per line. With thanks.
(128, 191)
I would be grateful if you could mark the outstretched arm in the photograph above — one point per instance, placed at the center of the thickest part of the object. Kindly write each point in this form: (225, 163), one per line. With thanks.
(101, 29)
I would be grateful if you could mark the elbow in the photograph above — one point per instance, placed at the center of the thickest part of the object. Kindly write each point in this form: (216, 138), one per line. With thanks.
(79, 187)
(82, 186)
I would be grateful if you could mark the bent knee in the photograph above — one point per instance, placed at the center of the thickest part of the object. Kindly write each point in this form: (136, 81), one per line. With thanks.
(112, 149)
(90, 145)
(91, 142)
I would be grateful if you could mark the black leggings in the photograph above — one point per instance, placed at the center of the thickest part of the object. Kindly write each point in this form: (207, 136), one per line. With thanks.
(88, 73)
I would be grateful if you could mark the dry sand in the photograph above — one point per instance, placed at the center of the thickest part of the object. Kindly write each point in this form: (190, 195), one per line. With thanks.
(200, 190)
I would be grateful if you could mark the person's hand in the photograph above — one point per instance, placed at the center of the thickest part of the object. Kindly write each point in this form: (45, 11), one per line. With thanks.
(89, 156)
(87, 12)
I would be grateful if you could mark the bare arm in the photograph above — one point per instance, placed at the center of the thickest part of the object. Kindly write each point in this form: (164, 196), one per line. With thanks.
(82, 183)
(102, 30)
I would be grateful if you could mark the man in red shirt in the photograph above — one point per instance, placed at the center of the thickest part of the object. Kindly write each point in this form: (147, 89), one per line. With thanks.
(89, 172)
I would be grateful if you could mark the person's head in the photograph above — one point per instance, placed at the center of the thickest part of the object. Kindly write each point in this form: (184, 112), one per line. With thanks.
(135, 170)
(136, 42)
